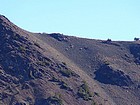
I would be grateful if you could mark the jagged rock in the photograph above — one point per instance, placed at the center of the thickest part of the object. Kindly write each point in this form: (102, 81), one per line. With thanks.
(59, 37)
(107, 75)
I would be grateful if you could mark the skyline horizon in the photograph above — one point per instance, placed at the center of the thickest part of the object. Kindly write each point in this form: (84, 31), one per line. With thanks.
(68, 34)
(117, 20)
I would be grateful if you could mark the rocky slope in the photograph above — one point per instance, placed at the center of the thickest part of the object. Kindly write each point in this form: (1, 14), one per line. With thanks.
(54, 69)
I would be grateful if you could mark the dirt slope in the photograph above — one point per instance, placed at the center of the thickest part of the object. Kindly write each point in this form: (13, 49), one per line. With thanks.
(53, 69)
(113, 65)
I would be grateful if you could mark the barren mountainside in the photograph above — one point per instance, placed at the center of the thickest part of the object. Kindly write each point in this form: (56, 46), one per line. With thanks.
(56, 69)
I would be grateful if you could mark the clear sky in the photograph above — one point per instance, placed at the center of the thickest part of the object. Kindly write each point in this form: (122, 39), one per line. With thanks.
(97, 19)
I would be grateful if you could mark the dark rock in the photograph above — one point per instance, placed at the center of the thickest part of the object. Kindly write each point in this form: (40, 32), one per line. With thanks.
(107, 75)
(135, 50)
(59, 37)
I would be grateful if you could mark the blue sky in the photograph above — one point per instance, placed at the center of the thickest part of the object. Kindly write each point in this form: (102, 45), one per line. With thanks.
(97, 19)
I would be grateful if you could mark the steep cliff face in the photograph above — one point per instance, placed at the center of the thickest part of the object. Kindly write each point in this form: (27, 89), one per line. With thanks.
(54, 69)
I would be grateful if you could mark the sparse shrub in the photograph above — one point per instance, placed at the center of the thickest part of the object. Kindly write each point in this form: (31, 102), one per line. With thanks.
(109, 40)
(136, 39)
(62, 84)
(15, 37)
(43, 63)
(84, 92)
(67, 73)
(22, 49)
(54, 79)
(54, 100)
(59, 95)
(106, 63)
(93, 103)
(65, 86)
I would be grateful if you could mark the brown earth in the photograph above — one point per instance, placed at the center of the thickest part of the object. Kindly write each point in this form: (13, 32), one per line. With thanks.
(55, 69)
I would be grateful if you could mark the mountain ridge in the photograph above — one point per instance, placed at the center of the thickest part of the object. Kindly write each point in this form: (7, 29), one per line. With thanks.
(47, 69)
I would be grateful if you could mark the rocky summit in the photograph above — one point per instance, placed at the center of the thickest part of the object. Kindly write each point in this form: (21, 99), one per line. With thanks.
(57, 69)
